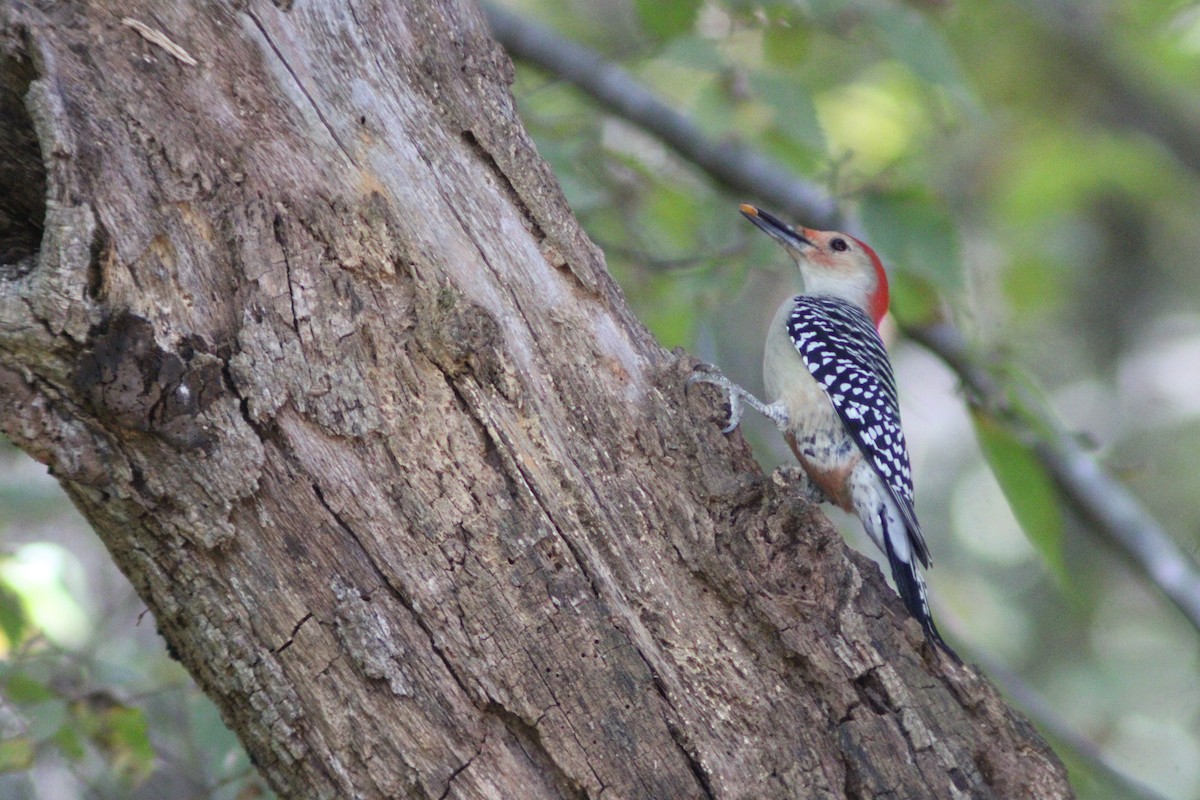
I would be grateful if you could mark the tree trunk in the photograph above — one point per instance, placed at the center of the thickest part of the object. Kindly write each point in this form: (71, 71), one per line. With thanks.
(301, 321)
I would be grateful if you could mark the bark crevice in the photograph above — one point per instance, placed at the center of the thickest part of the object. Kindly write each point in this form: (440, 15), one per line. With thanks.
(299, 84)
(22, 171)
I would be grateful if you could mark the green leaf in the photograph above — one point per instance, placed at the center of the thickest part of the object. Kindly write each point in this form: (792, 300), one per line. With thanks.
(804, 159)
(671, 317)
(1033, 283)
(16, 754)
(68, 742)
(913, 232)
(23, 689)
(120, 732)
(1029, 490)
(785, 45)
(711, 108)
(670, 219)
(13, 622)
(667, 20)
(914, 300)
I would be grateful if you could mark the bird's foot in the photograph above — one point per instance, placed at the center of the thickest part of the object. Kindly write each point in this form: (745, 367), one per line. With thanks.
(737, 396)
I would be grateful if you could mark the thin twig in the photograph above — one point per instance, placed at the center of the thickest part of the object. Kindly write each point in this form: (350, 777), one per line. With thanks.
(159, 38)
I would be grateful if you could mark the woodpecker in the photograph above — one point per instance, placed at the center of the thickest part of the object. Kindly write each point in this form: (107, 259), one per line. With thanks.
(833, 396)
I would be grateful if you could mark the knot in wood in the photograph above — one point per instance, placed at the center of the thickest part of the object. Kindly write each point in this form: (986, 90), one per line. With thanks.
(127, 379)
(461, 336)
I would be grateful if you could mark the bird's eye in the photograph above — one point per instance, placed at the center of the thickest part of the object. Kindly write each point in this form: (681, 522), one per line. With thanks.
(839, 245)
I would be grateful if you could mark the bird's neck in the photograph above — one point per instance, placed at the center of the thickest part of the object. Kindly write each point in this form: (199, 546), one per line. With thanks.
(868, 294)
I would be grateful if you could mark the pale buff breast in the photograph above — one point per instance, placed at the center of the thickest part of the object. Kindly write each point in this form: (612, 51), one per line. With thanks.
(815, 432)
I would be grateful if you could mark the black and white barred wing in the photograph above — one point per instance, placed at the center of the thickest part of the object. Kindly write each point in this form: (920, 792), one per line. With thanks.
(843, 351)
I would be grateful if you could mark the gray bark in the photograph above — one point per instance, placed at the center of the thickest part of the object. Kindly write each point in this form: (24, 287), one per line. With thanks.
(296, 314)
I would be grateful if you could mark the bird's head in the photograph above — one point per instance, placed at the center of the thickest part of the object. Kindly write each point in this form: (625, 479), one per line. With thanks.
(831, 263)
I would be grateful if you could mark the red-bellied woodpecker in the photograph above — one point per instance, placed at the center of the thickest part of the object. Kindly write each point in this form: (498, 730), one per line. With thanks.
(833, 396)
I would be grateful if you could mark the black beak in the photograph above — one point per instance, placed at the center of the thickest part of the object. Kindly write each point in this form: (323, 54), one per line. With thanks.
(775, 227)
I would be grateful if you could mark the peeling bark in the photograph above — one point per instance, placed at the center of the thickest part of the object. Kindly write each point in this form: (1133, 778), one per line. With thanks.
(301, 321)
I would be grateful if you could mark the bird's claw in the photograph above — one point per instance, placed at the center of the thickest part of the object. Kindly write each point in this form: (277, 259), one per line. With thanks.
(735, 413)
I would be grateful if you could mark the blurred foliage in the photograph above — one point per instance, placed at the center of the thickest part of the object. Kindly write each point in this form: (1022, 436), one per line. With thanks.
(74, 724)
(1027, 169)
(90, 703)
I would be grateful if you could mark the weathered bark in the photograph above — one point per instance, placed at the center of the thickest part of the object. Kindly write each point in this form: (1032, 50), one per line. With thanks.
(304, 326)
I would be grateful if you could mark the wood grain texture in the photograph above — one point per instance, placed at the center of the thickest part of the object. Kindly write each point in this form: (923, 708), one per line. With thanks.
(313, 340)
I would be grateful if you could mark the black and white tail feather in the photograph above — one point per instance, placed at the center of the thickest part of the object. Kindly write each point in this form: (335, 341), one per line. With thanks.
(911, 588)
